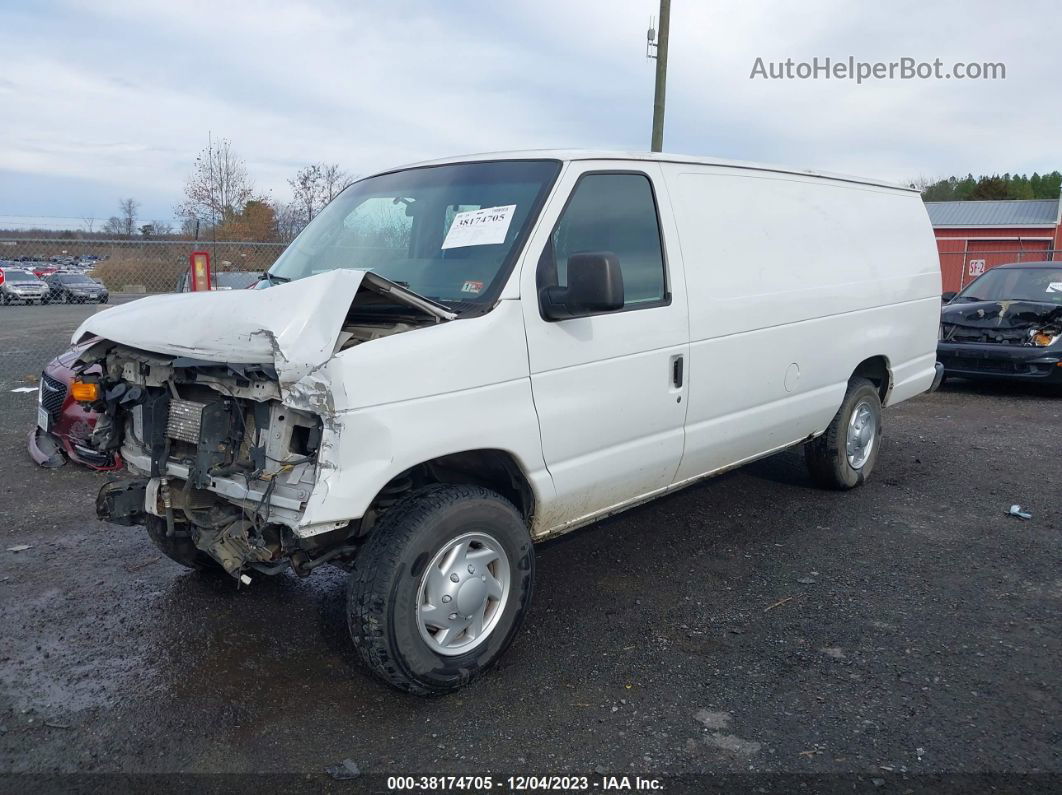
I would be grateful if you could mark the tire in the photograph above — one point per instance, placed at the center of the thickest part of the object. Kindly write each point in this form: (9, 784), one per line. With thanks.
(389, 587)
(827, 456)
(180, 548)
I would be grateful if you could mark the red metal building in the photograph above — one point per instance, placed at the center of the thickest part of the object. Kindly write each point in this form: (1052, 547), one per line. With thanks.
(973, 236)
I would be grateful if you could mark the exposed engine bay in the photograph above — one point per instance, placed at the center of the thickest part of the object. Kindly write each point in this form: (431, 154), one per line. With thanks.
(223, 458)
(1028, 323)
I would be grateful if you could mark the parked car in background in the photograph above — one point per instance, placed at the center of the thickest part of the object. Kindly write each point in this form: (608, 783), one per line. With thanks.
(40, 271)
(223, 280)
(64, 425)
(22, 286)
(75, 288)
(1006, 324)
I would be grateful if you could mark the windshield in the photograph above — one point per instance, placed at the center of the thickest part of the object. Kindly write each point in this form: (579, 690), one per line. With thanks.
(76, 280)
(450, 233)
(1016, 284)
(21, 276)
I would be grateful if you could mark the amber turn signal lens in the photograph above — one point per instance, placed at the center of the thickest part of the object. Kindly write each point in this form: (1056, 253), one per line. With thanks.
(84, 392)
(1039, 338)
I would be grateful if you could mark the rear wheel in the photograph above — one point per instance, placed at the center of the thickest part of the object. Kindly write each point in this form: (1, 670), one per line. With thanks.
(844, 456)
(440, 588)
(180, 548)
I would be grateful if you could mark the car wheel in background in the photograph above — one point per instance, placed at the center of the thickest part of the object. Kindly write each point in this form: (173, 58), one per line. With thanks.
(844, 456)
(440, 588)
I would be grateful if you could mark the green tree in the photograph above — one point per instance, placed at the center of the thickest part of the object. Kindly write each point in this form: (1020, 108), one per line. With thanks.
(1007, 186)
(994, 187)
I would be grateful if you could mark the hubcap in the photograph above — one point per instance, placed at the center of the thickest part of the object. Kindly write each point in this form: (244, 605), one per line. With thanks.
(463, 593)
(862, 431)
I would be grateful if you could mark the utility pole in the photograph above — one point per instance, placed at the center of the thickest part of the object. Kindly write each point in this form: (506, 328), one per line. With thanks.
(660, 45)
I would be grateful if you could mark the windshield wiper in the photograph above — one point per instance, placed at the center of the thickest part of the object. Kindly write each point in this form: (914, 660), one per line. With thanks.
(278, 279)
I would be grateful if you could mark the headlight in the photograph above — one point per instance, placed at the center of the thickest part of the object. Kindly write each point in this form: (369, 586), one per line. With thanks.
(1042, 338)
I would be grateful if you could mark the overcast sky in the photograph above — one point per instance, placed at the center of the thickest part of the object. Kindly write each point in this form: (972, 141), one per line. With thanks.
(114, 98)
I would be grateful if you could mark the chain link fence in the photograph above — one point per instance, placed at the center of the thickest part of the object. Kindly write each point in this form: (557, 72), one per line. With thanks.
(962, 261)
(33, 331)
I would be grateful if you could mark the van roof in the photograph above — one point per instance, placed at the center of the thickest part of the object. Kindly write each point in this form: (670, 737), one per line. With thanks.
(661, 157)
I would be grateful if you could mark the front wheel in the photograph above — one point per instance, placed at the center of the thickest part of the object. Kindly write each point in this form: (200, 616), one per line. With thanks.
(844, 456)
(440, 588)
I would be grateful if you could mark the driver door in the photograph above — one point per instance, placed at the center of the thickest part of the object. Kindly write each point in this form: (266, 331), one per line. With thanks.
(609, 388)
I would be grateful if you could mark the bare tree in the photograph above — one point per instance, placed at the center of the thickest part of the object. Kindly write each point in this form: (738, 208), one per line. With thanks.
(218, 187)
(89, 223)
(161, 228)
(335, 179)
(307, 190)
(921, 183)
(190, 228)
(315, 185)
(114, 226)
(289, 221)
(128, 210)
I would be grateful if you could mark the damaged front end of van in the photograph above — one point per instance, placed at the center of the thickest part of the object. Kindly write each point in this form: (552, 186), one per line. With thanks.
(222, 407)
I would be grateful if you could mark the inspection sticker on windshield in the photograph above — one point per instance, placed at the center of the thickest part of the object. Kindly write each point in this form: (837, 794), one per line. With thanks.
(484, 227)
(1054, 287)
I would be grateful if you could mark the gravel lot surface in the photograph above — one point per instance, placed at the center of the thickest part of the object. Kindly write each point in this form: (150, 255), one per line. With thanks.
(31, 335)
(751, 623)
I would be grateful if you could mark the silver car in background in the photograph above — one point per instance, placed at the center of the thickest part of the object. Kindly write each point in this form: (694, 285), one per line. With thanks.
(21, 286)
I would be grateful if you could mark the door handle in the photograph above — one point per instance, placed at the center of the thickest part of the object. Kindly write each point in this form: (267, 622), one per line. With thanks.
(676, 371)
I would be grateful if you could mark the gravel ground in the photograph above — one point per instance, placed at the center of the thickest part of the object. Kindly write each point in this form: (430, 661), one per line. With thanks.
(31, 335)
(751, 623)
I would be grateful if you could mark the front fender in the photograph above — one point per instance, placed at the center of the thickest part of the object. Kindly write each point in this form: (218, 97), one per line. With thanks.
(362, 450)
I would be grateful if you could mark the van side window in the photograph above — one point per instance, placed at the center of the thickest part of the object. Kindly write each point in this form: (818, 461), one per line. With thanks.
(617, 213)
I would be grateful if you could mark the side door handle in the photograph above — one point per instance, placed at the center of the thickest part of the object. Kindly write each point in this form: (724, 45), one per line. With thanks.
(676, 371)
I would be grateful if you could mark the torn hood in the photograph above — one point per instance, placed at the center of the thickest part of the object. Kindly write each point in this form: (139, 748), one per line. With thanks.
(1003, 315)
(294, 326)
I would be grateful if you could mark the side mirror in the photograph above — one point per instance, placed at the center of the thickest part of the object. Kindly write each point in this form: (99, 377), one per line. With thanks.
(595, 284)
(947, 296)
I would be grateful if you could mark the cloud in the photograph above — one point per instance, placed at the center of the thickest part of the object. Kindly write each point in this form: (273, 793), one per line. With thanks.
(121, 94)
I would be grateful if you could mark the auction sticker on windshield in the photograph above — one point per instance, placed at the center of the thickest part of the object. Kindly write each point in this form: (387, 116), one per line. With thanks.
(485, 227)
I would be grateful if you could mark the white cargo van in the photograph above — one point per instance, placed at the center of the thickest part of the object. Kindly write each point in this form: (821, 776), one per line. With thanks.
(459, 358)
